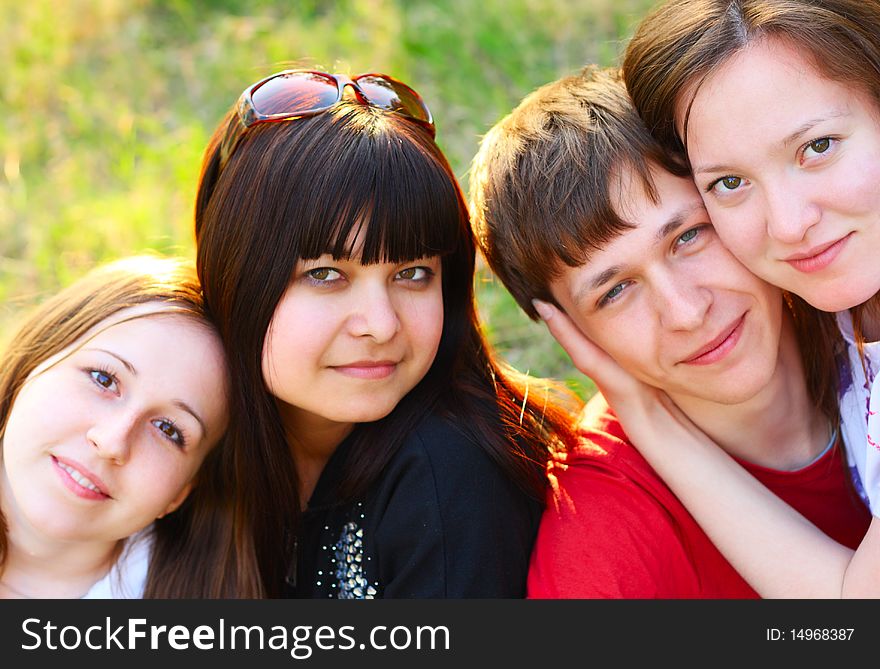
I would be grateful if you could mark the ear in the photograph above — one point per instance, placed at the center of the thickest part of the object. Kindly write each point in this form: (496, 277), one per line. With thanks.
(177, 501)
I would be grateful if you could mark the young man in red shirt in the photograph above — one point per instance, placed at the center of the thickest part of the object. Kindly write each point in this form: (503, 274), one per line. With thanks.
(576, 205)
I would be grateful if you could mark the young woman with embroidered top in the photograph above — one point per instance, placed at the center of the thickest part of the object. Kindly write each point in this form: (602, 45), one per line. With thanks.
(388, 453)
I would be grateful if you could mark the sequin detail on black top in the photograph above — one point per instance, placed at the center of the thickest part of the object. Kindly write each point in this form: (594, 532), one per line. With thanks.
(351, 576)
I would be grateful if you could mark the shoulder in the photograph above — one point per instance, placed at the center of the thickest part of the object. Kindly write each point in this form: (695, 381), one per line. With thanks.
(441, 444)
(610, 527)
(604, 479)
(439, 465)
(604, 447)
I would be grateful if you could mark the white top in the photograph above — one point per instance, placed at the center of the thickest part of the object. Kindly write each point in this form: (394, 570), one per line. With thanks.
(128, 576)
(860, 421)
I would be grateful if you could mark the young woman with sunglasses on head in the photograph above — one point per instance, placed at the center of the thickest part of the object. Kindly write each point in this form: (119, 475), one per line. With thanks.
(382, 449)
(113, 398)
(776, 106)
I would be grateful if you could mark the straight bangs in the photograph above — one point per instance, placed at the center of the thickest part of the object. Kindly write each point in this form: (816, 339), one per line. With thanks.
(380, 196)
(594, 215)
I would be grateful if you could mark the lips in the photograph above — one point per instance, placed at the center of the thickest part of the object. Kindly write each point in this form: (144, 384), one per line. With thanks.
(720, 346)
(818, 257)
(80, 480)
(367, 369)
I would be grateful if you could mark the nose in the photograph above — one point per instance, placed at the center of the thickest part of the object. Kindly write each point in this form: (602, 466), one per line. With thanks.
(374, 314)
(681, 303)
(790, 213)
(111, 435)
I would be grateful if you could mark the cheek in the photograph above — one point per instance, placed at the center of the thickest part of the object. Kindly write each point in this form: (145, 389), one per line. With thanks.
(630, 338)
(856, 185)
(741, 230)
(29, 421)
(298, 334)
(18, 423)
(428, 324)
(158, 476)
(421, 319)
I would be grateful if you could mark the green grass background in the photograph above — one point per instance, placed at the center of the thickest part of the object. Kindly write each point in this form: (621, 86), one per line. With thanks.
(107, 106)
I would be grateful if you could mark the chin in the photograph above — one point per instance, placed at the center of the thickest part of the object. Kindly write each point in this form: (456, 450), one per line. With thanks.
(365, 414)
(735, 387)
(733, 397)
(57, 527)
(832, 298)
(732, 393)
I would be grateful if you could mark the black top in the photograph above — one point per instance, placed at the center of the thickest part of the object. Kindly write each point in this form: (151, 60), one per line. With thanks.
(442, 521)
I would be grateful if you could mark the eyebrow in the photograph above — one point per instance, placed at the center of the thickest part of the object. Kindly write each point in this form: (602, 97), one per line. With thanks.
(786, 141)
(676, 221)
(125, 362)
(809, 125)
(180, 404)
(192, 412)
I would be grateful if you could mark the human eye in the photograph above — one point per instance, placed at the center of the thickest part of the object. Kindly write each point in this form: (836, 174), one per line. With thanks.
(691, 236)
(613, 294)
(725, 185)
(417, 274)
(323, 276)
(817, 148)
(170, 431)
(105, 379)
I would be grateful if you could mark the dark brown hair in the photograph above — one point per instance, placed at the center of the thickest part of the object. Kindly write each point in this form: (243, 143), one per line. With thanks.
(297, 190)
(193, 554)
(542, 188)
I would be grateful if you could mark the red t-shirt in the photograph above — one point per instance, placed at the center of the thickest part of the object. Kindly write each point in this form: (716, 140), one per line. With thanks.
(613, 529)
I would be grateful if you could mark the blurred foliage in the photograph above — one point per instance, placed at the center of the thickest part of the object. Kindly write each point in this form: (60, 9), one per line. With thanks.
(107, 106)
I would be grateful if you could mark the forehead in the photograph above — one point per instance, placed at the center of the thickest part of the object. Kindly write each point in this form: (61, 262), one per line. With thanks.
(678, 204)
(145, 325)
(159, 318)
(157, 327)
(676, 198)
(764, 92)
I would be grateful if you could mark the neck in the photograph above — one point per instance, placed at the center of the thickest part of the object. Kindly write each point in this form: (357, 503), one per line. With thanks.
(39, 566)
(779, 427)
(871, 319)
(312, 440)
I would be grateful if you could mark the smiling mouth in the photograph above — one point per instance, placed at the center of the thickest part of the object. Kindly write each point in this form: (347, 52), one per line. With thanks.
(78, 482)
(719, 347)
(817, 258)
(367, 370)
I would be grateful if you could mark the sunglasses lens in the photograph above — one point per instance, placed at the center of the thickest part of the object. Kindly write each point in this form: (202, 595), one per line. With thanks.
(394, 96)
(294, 92)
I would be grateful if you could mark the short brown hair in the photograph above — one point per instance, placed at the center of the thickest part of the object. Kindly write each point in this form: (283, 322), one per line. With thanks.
(542, 180)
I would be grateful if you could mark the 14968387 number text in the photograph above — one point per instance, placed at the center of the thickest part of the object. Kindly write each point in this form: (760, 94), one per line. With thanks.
(811, 634)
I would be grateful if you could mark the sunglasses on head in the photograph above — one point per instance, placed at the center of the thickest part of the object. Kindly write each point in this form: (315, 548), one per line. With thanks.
(293, 94)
